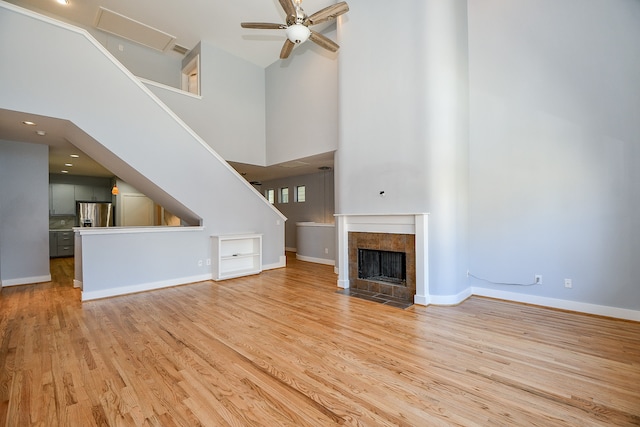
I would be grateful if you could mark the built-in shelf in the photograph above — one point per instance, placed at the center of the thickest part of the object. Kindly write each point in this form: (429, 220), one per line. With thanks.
(236, 255)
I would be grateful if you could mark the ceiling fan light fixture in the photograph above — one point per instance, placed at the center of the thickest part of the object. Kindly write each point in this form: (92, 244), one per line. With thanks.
(298, 33)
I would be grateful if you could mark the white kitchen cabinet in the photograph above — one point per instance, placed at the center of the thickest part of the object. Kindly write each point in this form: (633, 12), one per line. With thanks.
(236, 255)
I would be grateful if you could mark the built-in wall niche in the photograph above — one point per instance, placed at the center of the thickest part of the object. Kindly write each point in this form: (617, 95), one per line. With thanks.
(191, 76)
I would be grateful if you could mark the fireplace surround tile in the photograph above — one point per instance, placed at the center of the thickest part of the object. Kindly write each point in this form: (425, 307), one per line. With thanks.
(386, 242)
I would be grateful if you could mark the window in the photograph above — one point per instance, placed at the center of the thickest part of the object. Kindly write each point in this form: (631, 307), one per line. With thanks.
(300, 193)
(270, 195)
(283, 196)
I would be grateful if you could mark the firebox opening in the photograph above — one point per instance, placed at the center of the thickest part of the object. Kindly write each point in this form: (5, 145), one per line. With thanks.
(382, 266)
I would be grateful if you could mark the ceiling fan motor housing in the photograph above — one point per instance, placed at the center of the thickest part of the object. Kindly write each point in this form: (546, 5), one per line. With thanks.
(298, 33)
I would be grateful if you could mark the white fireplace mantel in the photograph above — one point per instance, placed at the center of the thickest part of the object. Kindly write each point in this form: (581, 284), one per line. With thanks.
(416, 224)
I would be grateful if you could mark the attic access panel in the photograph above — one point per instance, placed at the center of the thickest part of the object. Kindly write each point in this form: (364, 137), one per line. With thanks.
(122, 26)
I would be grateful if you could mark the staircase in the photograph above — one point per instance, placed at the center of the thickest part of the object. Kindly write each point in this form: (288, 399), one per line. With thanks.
(53, 69)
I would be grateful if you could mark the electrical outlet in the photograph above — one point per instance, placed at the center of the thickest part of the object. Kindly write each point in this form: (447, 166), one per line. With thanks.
(538, 279)
(568, 283)
(326, 250)
(208, 261)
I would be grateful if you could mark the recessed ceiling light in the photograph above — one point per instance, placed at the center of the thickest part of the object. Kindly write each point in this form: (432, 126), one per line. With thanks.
(41, 132)
(68, 164)
(64, 2)
(63, 171)
(75, 156)
(28, 123)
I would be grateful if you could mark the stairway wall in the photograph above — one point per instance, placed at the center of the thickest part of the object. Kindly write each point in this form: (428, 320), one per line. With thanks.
(59, 71)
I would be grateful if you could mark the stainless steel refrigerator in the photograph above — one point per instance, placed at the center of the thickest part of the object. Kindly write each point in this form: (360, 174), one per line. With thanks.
(94, 214)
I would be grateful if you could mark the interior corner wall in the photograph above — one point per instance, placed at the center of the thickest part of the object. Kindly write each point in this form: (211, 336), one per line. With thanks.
(555, 148)
(24, 221)
(318, 206)
(230, 113)
(301, 99)
(403, 123)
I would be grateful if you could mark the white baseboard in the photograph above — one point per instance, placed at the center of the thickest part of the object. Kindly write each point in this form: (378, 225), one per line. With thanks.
(280, 264)
(344, 284)
(25, 281)
(291, 249)
(421, 299)
(112, 292)
(316, 260)
(582, 307)
(451, 299)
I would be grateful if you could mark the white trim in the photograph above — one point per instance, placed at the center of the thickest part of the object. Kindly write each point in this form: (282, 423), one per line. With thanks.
(576, 306)
(290, 249)
(25, 281)
(133, 230)
(421, 299)
(124, 290)
(408, 223)
(316, 260)
(169, 88)
(77, 283)
(282, 263)
(582, 307)
(451, 299)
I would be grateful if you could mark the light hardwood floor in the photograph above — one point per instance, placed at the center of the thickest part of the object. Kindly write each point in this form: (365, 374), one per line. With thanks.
(284, 349)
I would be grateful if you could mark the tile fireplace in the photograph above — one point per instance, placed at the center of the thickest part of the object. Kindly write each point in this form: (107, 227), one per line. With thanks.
(400, 241)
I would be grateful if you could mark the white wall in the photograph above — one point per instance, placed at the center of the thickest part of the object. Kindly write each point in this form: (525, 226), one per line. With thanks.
(555, 144)
(24, 213)
(301, 100)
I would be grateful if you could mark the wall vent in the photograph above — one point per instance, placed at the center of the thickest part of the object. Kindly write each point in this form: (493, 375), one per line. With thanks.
(122, 26)
(180, 49)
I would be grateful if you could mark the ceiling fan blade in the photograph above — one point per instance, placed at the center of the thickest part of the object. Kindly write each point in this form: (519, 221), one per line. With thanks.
(262, 25)
(286, 49)
(328, 13)
(323, 41)
(288, 7)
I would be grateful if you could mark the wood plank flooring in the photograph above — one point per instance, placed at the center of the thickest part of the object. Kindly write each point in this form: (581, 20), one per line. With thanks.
(283, 348)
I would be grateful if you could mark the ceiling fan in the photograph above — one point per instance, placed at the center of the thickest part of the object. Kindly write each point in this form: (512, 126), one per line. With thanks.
(298, 23)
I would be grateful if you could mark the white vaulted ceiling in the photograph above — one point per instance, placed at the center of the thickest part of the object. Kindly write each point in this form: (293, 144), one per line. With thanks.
(165, 24)
(216, 22)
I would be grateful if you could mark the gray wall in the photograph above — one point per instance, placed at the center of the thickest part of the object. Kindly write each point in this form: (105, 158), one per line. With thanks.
(544, 180)
(24, 213)
(555, 147)
(301, 101)
(403, 123)
(157, 155)
(230, 114)
(318, 207)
